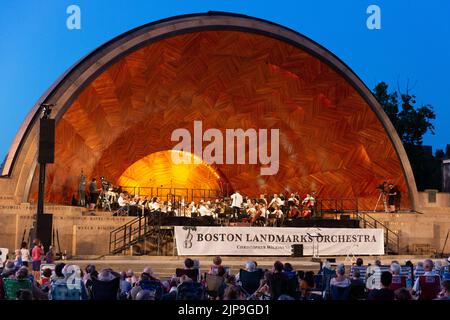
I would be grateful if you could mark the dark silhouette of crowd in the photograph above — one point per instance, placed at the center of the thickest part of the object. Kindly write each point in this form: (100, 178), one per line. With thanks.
(426, 280)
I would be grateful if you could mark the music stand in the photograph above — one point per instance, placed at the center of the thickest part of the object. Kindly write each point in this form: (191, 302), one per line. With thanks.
(315, 250)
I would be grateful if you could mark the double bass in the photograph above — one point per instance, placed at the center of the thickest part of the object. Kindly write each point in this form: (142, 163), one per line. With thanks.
(308, 204)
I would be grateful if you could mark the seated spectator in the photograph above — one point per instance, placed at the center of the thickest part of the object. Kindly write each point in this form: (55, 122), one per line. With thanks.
(279, 282)
(130, 277)
(397, 280)
(189, 269)
(402, 294)
(340, 285)
(46, 279)
(307, 284)
(359, 266)
(233, 293)
(340, 280)
(24, 294)
(427, 286)
(9, 270)
(384, 293)
(445, 293)
(357, 287)
(125, 286)
(107, 286)
(149, 271)
(18, 259)
(250, 266)
(217, 262)
(67, 284)
(145, 295)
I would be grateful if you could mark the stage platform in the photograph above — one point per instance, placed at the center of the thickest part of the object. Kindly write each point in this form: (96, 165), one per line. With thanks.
(292, 223)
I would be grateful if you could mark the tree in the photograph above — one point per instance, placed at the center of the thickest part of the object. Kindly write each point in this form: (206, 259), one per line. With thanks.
(412, 123)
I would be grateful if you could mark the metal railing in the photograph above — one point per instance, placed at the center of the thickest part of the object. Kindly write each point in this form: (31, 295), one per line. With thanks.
(391, 238)
(186, 193)
(337, 206)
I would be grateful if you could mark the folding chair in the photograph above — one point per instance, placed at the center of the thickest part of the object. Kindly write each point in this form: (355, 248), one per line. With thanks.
(190, 291)
(214, 285)
(13, 286)
(340, 293)
(250, 281)
(191, 273)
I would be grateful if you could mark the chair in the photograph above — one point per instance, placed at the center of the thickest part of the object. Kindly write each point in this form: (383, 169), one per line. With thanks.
(328, 274)
(105, 290)
(339, 293)
(214, 285)
(13, 286)
(397, 282)
(357, 290)
(318, 282)
(430, 286)
(250, 280)
(152, 285)
(191, 273)
(60, 291)
(190, 291)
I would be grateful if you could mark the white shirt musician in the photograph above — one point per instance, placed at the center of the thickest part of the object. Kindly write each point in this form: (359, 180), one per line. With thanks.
(236, 203)
(237, 199)
(122, 202)
(204, 211)
(276, 201)
(155, 205)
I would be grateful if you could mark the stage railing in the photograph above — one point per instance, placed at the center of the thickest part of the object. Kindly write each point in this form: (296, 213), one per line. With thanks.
(186, 193)
(391, 238)
(337, 206)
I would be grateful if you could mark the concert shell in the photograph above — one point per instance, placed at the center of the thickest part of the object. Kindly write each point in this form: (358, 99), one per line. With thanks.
(120, 104)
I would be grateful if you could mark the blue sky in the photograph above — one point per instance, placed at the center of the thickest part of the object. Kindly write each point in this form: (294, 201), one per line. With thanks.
(413, 44)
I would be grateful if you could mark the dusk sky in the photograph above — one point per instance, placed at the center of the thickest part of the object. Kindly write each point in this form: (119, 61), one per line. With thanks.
(413, 44)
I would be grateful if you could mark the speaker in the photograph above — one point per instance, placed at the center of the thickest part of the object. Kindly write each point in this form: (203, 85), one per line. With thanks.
(297, 250)
(47, 141)
(44, 230)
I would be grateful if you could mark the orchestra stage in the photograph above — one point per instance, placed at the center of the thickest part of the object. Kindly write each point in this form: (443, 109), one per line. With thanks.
(292, 223)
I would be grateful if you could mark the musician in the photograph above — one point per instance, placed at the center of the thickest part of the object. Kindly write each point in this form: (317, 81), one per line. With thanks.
(236, 203)
(393, 193)
(308, 206)
(262, 199)
(82, 189)
(275, 202)
(203, 210)
(93, 194)
(192, 209)
(155, 204)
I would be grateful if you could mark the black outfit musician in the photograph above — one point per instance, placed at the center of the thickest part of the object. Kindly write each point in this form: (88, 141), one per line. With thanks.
(93, 194)
(82, 189)
(393, 194)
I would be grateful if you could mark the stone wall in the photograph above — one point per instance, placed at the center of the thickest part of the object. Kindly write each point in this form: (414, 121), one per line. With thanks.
(78, 234)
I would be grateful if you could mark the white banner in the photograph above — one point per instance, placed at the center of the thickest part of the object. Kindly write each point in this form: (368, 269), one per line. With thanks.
(249, 241)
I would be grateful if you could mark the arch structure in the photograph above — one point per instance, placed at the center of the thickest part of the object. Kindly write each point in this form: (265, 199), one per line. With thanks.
(121, 103)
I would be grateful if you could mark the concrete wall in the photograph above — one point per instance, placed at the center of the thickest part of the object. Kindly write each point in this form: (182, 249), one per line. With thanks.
(442, 200)
(79, 235)
(89, 235)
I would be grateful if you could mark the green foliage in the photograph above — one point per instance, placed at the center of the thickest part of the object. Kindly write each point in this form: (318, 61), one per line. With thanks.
(412, 123)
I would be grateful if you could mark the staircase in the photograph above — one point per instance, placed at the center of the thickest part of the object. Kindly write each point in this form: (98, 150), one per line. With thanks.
(391, 238)
(141, 230)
